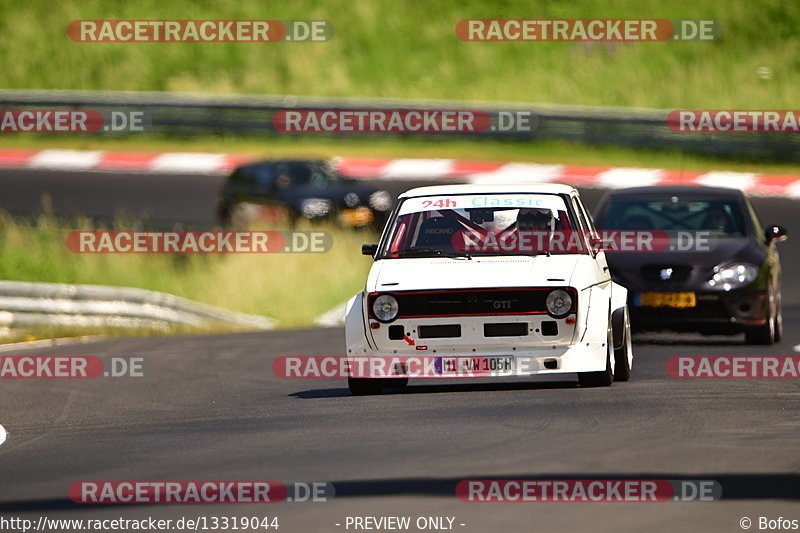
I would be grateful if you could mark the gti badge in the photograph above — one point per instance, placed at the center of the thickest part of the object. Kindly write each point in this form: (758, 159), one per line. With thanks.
(665, 274)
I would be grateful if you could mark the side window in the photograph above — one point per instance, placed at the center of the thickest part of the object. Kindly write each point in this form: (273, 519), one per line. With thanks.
(300, 174)
(586, 216)
(586, 227)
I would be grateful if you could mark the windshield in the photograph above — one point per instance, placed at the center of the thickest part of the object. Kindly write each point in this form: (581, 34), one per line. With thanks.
(483, 224)
(720, 217)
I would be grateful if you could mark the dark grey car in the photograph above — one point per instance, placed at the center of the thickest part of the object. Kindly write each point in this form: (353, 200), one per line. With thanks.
(729, 284)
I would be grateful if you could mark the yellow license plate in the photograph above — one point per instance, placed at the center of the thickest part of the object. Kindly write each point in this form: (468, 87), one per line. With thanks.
(667, 299)
(360, 216)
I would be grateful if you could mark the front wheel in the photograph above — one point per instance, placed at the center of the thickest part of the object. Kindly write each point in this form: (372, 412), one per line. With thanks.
(622, 364)
(602, 378)
(769, 332)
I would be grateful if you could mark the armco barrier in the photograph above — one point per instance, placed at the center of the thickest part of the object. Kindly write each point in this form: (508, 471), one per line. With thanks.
(204, 114)
(26, 304)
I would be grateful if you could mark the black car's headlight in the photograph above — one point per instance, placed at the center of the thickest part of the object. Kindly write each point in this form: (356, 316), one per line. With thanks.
(558, 303)
(733, 276)
(315, 207)
(385, 308)
(380, 201)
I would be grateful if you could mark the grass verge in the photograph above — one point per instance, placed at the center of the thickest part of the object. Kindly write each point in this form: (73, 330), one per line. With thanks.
(294, 288)
(410, 50)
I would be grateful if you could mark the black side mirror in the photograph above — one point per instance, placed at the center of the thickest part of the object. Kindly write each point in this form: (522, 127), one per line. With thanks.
(775, 233)
(369, 249)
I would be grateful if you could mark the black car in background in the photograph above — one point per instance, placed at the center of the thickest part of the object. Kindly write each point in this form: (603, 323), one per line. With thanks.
(727, 282)
(284, 191)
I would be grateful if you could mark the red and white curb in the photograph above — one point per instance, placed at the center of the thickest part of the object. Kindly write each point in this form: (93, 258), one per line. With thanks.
(81, 160)
(446, 170)
(582, 176)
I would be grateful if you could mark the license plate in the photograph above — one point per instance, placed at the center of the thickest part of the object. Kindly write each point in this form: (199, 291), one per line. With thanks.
(360, 216)
(667, 299)
(471, 365)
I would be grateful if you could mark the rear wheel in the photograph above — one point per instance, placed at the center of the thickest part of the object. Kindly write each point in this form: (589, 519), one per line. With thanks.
(622, 365)
(364, 386)
(602, 378)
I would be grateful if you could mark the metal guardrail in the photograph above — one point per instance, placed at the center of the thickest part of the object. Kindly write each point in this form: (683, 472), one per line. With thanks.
(25, 304)
(204, 114)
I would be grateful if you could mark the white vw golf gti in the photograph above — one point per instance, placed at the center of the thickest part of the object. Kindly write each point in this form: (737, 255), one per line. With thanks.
(488, 281)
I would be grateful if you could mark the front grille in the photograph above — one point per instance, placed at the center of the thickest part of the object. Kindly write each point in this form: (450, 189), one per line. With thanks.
(439, 332)
(473, 302)
(666, 273)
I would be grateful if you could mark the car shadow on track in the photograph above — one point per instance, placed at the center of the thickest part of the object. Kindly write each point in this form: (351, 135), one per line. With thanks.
(686, 339)
(444, 388)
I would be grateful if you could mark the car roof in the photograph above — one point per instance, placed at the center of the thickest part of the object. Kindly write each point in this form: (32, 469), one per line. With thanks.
(284, 162)
(524, 188)
(677, 189)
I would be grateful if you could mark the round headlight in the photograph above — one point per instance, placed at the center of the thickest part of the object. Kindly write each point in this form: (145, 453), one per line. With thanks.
(732, 276)
(558, 303)
(380, 201)
(385, 308)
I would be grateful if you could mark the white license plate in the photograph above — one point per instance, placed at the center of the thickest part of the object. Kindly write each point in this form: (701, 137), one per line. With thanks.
(475, 365)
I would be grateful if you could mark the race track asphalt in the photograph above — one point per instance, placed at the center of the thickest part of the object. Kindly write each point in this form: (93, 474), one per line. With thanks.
(211, 408)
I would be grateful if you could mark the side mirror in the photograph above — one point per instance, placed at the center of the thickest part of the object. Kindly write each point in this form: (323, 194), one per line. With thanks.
(597, 243)
(369, 249)
(775, 233)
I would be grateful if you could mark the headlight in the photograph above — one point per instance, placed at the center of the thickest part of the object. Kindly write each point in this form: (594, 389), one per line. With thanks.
(732, 276)
(558, 303)
(315, 207)
(385, 308)
(380, 201)
(351, 200)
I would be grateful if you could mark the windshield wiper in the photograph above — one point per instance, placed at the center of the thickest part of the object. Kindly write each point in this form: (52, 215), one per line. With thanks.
(427, 251)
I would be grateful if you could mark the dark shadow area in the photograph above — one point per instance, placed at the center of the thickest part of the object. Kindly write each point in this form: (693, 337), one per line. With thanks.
(734, 487)
(446, 388)
(686, 339)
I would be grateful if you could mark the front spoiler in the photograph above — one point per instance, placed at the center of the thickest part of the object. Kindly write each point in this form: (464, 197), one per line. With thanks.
(581, 357)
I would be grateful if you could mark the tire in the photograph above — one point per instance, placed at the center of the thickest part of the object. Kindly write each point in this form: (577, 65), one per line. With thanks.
(778, 333)
(622, 366)
(395, 383)
(364, 386)
(602, 378)
(224, 215)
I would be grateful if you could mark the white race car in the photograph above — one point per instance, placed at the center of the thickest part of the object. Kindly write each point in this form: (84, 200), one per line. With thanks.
(488, 281)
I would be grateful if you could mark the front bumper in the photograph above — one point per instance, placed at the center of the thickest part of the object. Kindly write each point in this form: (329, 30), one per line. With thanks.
(581, 357)
(716, 312)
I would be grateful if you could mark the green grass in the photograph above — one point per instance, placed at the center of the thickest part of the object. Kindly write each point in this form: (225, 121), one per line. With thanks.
(293, 288)
(410, 50)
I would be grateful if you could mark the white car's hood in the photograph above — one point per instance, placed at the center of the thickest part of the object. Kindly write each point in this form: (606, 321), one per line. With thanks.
(479, 272)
